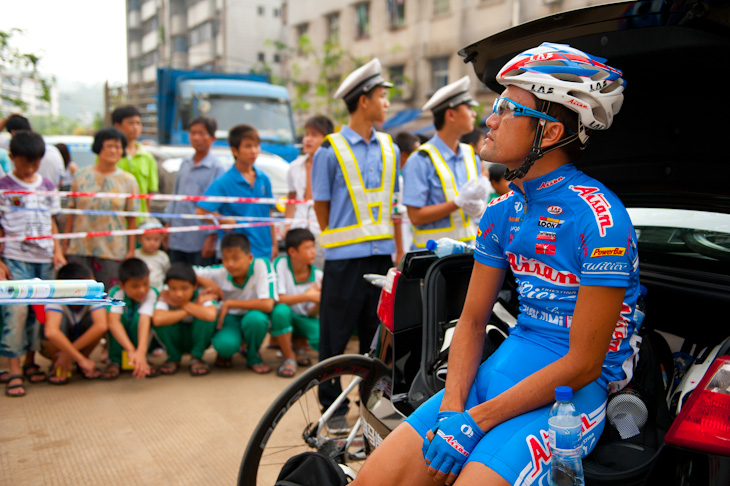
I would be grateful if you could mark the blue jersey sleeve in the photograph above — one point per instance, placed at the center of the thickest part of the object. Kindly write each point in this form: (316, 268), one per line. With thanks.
(490, 235)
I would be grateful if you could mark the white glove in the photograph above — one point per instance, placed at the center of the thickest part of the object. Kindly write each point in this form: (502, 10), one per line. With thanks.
(473, 190)
(475, 207)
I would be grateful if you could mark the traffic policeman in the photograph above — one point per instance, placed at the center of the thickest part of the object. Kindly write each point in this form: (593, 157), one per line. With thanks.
(442, 188)
(354, 176)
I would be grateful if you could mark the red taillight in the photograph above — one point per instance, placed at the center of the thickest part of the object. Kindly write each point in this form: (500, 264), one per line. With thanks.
(704, 422)
(386, 304)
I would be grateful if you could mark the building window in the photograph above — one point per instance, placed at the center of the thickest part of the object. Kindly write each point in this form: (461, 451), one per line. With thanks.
(262, 57)
(277, 58)
(440, 7)
(277, 12)
(302, 30)
(396, 75)
(396, 13)
(204, 32)
(362, 16)
(261, 11)
(333, 27)
(439, 72)
(180, 43)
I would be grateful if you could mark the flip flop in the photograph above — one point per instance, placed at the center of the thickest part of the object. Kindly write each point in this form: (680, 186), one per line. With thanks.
(94, 374)
(198, 367)
(55, 379)
(303, 357)
(260, 368)
(111, 372)
(32, 370)
(9, 387)
(168, 368)
(287, 369)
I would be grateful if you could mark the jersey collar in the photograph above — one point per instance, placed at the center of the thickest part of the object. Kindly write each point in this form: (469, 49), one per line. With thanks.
(549, 183)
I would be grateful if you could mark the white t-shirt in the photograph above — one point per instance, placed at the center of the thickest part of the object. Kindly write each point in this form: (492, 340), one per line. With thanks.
(296, 177)
(158, 263)
(288, 286)
(260, 282)
(146, 307)
(162, 305)
(52, 166)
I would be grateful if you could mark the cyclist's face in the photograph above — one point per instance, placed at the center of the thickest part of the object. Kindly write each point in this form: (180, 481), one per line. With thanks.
(510, 137)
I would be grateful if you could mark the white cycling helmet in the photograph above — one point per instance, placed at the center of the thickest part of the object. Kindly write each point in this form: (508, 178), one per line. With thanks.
(562, 74)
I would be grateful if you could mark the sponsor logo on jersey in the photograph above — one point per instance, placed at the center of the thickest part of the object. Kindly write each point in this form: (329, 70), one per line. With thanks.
(544, 249)
(536, 268)
(546, 236)
(608, 251)
(501, 198)
(479, 232)
(515, 219)
(550, 183)
(518, 206)
(552, 223)
(487, 230)
(598, 204)
(603, 267)
(555, 210)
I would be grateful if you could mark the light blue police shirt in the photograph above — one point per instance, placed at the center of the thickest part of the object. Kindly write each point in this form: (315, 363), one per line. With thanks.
(421, 183)
(328, 184)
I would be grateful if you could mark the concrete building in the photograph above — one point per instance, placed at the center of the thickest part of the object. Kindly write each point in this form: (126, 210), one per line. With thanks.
(215, 35)
(416, 40)
(15, 86)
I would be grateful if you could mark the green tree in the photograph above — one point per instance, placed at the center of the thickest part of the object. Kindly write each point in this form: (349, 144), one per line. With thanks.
(25, 65)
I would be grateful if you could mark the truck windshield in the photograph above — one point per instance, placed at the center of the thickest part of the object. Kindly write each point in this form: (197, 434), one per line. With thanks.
(270, 117)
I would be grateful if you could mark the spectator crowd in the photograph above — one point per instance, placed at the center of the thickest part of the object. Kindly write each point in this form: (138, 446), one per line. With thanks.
(369, 199)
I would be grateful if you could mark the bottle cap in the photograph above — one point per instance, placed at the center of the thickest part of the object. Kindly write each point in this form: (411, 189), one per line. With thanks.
(431, 245)
(563, 393)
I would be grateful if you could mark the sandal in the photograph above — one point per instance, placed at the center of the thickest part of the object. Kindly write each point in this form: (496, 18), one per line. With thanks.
(198, 367)
(221, 362)
(56, 378)
(111, 372)
(31, 371)
(9, 387)
(168, 368)
(287, 369)
(4, 376)
(260, 368)
(154, 372)
(303, 357)
(96, 373)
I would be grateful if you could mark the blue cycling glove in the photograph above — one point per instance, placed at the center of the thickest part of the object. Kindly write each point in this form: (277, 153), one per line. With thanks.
(443, 415)
(455, 438)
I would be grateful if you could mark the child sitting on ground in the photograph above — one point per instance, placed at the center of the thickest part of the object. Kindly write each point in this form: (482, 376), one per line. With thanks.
(149, 252)
(184, 319)
(296, 314)
(248, 287)
(72, 331)
(26, 259)
(129, 325)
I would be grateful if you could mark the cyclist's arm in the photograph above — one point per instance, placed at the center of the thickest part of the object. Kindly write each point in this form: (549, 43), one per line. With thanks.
(468, 340)
(596, 313)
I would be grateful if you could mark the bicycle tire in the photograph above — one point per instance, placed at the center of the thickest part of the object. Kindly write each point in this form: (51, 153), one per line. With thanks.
(277, 414)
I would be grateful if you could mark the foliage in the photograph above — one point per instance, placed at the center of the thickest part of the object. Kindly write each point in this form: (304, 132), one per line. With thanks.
(14, 62)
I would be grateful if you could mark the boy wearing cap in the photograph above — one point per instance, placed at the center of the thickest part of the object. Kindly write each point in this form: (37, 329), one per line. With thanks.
(442, 189)
(149, 252)
(354, 175)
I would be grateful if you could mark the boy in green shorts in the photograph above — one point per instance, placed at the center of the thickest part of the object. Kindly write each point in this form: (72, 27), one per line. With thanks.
(248, 287)
(184, 319)
(297, 313)
(129, 325)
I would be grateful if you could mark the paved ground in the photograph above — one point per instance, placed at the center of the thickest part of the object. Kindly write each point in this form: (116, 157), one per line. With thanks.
(169, 430)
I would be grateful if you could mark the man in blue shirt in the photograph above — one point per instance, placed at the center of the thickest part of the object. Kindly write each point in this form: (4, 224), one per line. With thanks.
(244, 180)
(354, 175)
(442, 189)
(196, 174)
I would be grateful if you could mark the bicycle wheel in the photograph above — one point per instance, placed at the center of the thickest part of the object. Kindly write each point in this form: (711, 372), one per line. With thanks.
(295, 422)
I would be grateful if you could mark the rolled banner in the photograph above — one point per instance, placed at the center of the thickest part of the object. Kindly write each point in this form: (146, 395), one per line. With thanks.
(51, 289)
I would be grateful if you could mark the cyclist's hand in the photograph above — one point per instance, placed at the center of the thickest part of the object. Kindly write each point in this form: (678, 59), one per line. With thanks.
(443, 415)
(455, 438)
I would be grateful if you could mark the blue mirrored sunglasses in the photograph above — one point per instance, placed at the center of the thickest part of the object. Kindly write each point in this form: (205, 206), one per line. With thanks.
(505, 105)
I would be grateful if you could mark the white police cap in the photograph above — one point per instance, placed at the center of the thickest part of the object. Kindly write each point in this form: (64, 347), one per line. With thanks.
(450, 96)
(362, 80)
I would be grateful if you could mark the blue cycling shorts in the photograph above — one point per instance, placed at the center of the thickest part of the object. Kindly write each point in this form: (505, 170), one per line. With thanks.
(518, 449)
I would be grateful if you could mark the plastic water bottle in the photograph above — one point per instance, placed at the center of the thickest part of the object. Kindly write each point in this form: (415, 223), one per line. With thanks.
(566, 440)
(446, 246)
(640, 310)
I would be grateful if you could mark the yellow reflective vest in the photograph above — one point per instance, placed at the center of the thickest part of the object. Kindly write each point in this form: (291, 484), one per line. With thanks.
(365, 202)
(461, 227)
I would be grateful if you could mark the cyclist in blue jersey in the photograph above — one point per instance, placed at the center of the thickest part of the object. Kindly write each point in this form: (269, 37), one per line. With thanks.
(572, 249)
